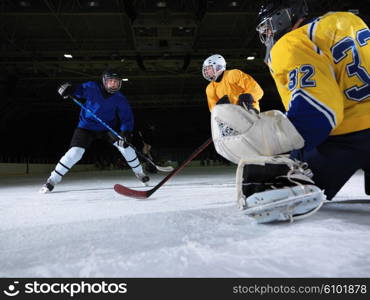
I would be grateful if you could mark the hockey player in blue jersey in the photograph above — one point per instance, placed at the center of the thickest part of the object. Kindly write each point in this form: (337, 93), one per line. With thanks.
(288, 165)
(106, 101)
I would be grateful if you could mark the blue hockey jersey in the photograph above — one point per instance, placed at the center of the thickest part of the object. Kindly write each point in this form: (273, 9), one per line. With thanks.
(113, 109)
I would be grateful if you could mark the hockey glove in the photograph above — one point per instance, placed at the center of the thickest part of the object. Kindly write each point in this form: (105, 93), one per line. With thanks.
(66, 90)
(246, 101)
(127, 139)
(223, 100)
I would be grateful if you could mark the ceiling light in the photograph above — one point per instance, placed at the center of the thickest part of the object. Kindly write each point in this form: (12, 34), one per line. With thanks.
(354, 11)
(250, 58)
(93, 3)
(24, 3)
(124, 79)
(161, 4)
(233, 3)
(68, 55)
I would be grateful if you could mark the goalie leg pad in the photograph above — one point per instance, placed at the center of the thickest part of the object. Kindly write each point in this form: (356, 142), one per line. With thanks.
(276, 189)
(290, 203)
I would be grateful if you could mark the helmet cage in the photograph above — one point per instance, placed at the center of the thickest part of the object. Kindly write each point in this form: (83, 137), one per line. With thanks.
(111, 75)
(271, 28)
(266, 31)
(212, 72)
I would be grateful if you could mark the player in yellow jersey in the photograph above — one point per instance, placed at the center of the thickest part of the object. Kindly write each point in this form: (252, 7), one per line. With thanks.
(232, 86)
(321, 68)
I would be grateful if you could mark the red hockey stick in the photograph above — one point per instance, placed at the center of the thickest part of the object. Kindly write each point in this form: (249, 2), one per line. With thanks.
(120, 189)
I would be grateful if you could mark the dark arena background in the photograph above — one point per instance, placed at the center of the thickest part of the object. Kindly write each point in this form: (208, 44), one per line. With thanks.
(159, 46)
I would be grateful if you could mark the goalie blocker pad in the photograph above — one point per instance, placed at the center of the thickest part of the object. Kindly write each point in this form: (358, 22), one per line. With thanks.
(273, 189)
(239, 133)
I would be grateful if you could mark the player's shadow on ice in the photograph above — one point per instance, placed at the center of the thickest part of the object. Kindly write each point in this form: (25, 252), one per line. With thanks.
(358, 213)
(83, 190)
(105, 189)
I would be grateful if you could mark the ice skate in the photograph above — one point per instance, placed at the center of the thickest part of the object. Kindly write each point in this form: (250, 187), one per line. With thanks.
(47, 187)
(143, 178)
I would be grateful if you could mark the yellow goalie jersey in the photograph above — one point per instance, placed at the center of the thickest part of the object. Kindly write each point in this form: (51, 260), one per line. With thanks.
(233, 83)
(322, 72)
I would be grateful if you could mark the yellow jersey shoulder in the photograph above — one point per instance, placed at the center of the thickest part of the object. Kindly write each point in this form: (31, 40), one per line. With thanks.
(290, 51)
(232, 75)
(308, 42)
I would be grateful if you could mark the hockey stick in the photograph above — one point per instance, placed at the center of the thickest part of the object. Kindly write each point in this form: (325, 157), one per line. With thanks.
(120, 189)
(367, 181)
(162, 169)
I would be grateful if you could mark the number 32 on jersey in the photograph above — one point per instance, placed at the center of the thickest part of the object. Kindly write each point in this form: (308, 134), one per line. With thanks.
(339, 51)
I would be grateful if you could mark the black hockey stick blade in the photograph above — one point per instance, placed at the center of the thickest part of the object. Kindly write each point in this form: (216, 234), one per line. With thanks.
(349, 201)
(125, 191)
(367, 182)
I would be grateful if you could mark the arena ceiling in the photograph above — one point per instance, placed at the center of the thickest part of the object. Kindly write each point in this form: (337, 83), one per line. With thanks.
(158, 45)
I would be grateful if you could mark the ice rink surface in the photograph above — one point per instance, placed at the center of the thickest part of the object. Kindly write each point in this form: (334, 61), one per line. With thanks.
(191, 227)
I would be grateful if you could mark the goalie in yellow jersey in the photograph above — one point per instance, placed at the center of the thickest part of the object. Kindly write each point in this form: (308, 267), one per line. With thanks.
(321, 68)
(229, 86)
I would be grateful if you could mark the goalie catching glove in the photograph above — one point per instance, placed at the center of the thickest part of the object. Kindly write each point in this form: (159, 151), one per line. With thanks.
(276, 189)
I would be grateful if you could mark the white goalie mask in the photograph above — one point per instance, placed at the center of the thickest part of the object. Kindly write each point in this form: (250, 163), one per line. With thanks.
(213, 67)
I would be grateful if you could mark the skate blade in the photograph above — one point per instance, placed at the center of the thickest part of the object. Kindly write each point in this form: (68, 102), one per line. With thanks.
(283, 210)
(44, 190)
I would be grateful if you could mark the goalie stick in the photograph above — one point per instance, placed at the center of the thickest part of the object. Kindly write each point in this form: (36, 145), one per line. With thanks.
(348, 201)
(367, 181)
(159, 168)
(120, 189)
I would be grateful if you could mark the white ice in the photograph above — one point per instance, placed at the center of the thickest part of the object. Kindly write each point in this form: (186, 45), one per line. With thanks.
(191, 227)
